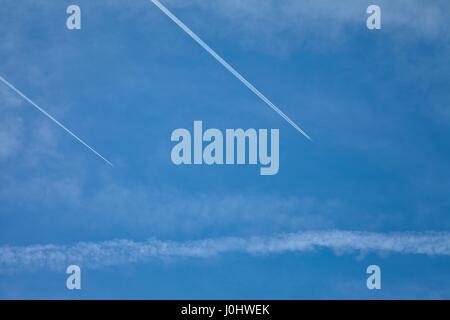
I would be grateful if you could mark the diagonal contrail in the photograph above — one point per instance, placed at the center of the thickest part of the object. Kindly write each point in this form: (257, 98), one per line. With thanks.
(53, 119)
(227, 66)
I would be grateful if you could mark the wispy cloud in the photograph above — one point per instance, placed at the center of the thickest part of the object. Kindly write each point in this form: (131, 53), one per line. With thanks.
(118, 252)
(10, 137)
(305, 23)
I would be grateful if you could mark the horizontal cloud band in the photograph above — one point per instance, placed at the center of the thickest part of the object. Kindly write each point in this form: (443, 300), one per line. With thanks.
(117, 252)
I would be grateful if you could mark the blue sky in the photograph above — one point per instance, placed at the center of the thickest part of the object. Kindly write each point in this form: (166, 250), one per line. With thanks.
(376, 103)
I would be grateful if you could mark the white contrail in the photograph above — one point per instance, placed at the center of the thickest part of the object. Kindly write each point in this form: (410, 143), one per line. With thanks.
(53, 119)
(119, 252)
(227, 66)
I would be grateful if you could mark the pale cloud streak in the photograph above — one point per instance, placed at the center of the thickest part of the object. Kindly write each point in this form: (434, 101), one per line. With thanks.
(320, 24)
(119, 252)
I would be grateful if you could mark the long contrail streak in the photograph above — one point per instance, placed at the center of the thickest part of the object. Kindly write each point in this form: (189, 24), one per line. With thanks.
(227, 66)
(53, 119)
(120, 252)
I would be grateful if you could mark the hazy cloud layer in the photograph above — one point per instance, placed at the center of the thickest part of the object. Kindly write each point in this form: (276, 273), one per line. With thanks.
(306, 23)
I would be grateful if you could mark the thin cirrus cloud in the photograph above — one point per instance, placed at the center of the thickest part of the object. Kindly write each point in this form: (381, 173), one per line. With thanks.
(119, 252)
(415, 17)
